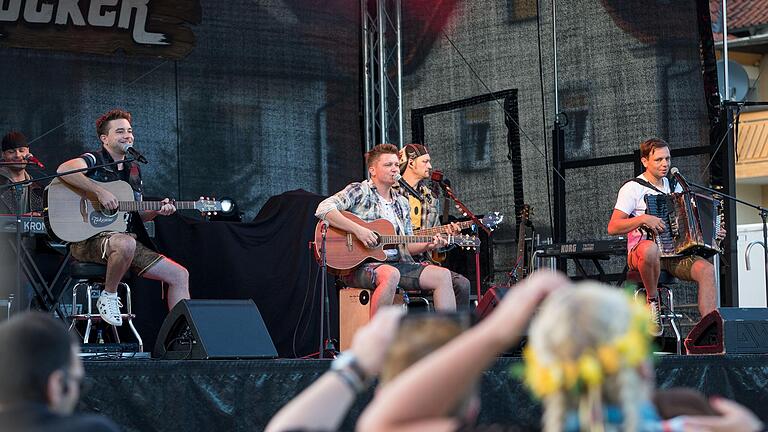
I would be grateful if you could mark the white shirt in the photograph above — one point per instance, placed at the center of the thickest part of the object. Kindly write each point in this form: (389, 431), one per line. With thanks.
(388, 212)
(631, 200)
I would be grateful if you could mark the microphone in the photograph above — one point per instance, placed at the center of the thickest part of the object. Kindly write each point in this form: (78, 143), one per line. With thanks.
(34, 161)
(437, 176)
(679, 177)
(404, 184)
(128, 148)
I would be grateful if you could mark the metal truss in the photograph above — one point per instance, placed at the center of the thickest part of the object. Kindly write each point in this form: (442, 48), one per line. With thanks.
(382, 70)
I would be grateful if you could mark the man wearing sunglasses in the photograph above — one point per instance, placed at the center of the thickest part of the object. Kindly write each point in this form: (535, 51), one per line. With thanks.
(40, 378)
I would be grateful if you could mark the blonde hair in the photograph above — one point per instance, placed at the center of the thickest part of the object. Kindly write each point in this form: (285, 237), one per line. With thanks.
(416, 339)
(575, 325)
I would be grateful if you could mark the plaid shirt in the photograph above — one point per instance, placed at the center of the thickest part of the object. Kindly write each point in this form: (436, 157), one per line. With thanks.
(363, 200)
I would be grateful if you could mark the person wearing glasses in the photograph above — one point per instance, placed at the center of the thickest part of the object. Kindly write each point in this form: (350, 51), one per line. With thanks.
(40, 378)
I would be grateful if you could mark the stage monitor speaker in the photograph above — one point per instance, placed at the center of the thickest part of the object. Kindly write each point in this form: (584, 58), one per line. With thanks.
(489, 301)
(214, 329)
(730, 331)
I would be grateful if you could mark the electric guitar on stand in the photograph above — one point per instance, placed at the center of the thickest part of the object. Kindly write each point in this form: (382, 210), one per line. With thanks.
(72, 215)
(520, 271)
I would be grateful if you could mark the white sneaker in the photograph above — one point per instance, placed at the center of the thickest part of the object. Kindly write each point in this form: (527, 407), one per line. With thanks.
(657, 327)
(109, 308)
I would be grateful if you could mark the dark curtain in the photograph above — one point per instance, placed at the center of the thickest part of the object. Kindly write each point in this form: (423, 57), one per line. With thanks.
(267, 260)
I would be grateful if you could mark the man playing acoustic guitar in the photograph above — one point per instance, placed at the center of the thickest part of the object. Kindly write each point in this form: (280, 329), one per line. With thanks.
(375, 199)
(121, 251)
(416, 166)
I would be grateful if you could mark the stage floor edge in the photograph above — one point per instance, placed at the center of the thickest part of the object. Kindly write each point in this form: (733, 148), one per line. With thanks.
(207, 395)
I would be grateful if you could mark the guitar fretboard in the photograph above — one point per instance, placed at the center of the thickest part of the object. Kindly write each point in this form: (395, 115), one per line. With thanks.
(444, 228)
(153, 205)
(398, 239)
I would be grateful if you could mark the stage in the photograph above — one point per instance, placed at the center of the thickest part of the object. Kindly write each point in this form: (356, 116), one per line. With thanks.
(161, 395)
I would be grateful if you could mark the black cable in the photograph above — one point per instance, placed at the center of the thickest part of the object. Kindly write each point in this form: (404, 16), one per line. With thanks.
(507, 114)
(303, 306)
(720, 144)
(312, 304)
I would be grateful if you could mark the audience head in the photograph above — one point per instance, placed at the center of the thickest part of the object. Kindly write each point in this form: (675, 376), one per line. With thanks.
(418, 336)
(39, 363)
(589, 349)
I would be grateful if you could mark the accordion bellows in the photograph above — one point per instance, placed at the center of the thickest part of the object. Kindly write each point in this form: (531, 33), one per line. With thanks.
(691, 223)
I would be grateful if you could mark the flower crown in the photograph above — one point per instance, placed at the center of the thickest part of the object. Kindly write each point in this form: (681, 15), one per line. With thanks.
(590, 369)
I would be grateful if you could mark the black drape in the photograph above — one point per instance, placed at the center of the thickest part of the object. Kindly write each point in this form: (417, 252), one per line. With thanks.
(267, 260)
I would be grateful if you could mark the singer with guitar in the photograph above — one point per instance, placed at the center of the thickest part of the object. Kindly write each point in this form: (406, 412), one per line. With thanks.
(121, 251)
(375, 199)
(416, 167)
(629, 216)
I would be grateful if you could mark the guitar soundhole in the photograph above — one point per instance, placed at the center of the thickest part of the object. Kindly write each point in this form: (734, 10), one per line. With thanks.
(108, 212)
(364, 297)
(378, 239)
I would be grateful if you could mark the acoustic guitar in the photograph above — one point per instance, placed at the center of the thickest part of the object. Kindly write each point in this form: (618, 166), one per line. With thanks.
(345, 252)
(72, 215)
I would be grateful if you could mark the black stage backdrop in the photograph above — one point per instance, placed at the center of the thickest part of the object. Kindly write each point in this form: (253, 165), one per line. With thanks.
(267, 260)
(267, 102)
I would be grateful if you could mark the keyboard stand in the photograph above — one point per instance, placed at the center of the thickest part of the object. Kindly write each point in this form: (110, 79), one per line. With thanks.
(44, 292)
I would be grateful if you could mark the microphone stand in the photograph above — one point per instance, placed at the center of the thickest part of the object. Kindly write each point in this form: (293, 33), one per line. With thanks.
(18, 188)
(325, 306)
(763, 215)
(460, 205)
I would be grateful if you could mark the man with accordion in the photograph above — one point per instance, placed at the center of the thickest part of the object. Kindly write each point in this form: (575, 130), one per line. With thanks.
(646, 251)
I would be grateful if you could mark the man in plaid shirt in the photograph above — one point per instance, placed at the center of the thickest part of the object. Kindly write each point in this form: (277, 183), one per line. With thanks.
(375, 199)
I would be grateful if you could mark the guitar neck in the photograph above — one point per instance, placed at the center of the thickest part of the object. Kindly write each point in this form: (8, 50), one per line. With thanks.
(153, 205)
(398, 239)
(520, 264)
(445, 228)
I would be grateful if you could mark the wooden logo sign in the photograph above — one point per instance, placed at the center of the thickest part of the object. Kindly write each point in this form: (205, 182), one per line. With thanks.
(156, 28)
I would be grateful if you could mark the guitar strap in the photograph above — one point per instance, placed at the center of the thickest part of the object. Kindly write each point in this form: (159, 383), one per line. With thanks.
(645, 183)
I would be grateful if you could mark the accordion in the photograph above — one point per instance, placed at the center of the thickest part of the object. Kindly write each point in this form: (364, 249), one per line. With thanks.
(691, 223)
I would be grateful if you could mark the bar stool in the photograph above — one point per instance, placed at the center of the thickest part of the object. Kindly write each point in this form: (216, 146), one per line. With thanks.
(89, 277)
(666, 301)
(416, 296)
(7, 304)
